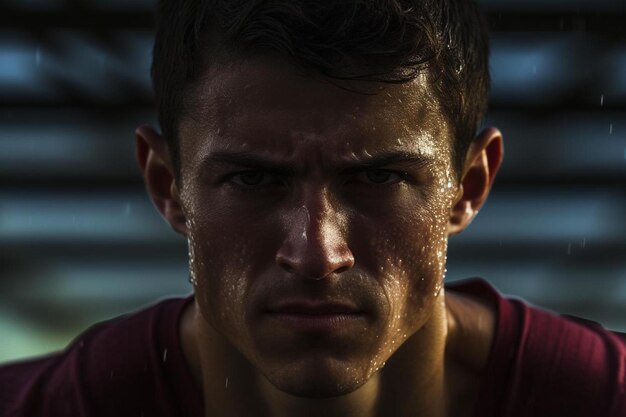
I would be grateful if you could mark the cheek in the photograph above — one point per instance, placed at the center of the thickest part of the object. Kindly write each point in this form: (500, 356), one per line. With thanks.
(407, 254)
(219, 271)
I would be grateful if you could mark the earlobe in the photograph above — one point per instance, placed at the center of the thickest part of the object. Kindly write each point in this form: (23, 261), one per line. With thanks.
(481, 165)
(461, 214)
(158, 173)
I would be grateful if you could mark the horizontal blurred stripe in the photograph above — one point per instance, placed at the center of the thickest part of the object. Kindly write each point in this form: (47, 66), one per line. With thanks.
(527, 69)
(130, 217)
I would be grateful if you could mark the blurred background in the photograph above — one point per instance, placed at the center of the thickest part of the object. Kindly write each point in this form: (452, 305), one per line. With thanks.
(80, 241)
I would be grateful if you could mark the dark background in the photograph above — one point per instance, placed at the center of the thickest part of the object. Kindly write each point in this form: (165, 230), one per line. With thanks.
(81, 242)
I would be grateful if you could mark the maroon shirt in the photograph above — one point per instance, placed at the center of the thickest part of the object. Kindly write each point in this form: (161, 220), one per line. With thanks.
(540, 365)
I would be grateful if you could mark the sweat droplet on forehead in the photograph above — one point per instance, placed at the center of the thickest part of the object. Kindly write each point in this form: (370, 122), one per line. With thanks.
(270, 114)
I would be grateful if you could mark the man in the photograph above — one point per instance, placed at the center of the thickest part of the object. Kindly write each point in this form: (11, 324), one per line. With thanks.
(317, 156)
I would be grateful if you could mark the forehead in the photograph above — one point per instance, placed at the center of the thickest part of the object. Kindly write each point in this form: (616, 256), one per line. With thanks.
(265, 97)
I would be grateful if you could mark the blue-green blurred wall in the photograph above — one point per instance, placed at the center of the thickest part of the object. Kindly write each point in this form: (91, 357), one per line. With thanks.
(81, 242)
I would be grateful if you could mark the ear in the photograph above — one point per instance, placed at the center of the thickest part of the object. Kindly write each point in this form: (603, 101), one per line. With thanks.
(481, 165)
(157, 169)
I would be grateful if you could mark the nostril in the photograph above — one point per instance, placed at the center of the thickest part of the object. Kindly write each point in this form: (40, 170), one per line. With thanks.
(287, 267)
(342, 269)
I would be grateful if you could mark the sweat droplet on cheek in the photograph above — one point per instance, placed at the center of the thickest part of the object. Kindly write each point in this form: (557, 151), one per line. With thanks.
(191, 244)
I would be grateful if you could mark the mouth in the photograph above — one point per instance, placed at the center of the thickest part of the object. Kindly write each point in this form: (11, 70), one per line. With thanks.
(307, 316)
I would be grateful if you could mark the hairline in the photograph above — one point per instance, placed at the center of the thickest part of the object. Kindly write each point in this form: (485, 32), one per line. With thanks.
(222, 58)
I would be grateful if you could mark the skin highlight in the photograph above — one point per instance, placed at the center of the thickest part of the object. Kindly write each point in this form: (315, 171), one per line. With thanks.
(292, 188)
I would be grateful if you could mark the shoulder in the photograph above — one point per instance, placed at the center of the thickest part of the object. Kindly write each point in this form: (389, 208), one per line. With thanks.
(540, 363)
(111, 362)
(560, 360)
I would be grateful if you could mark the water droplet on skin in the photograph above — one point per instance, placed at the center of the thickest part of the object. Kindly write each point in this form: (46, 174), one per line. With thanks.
(437, 290)
(192, 280)
(307, 222)
(192, 261)
(190, 251)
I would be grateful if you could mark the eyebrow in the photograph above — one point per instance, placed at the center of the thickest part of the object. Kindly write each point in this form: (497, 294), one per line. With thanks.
(254, 161)
(250, 160)
(388, 158)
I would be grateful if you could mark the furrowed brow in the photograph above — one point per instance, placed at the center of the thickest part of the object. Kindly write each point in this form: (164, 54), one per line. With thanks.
(385, 159)
(251, 161)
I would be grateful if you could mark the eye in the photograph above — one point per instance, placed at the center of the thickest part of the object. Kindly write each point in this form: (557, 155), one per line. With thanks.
(379, 176)
(251, 178)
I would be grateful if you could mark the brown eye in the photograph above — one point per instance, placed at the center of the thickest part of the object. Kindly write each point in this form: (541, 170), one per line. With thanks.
(381, 176)
(250, 178)
(378, 176)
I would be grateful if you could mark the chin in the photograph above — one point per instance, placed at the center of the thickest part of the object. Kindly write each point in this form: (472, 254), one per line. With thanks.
(318, 380)
(317, 389)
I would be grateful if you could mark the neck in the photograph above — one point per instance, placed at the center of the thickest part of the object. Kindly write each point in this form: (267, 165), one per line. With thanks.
(411, 383)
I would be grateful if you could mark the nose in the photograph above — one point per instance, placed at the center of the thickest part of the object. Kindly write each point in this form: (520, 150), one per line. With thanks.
(315, 246)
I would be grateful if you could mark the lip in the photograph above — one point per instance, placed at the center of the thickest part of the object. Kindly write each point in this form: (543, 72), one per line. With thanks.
(310, 316)
(313, 308)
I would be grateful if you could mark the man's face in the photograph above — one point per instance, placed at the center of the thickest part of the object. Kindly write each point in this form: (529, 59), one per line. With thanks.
(317, 219)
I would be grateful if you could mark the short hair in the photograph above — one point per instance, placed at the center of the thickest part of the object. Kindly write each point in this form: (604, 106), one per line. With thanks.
(391, 41)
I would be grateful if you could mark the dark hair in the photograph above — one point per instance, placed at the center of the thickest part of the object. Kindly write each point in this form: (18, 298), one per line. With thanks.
(391, 41)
